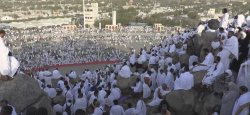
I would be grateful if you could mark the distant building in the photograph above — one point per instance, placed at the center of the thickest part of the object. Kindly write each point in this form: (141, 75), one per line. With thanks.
(69, 27)
(211, 12)
(91, 14)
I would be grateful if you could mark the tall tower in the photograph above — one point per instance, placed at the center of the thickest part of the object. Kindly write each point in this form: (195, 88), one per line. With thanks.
(114, 17)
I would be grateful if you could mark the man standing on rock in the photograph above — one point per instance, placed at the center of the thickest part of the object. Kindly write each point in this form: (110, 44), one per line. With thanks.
(8, 63)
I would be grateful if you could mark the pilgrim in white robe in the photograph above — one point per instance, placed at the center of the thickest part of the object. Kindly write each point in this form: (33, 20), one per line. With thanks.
(213, 71)
(5, 68)
(208, 62)
(156, 100)
(109, 100)
(185, 81)
(160, 78)
(141, 59)
(132, 59)
(152, 60)
(125, 72)
(72, 74)
(138, 87)
(140, 108)
(146, 91)
(243, 99)
(229, 47)
(129, 111)
(241, 20)
(116, 92)
(56, 74)
(51, 92)
(80, 103)
(172, 48)
(243, 78)
(169, 80)
(224, 21)
(116, 110)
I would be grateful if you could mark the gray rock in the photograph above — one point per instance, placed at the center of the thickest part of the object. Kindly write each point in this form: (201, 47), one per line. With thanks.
(124, 83)
(152, 110)
(59, 98)
(184, 59)
(182, 102)
(175, 56)
(213, 24)
(209, 101)
(198, 76)
(23, 92)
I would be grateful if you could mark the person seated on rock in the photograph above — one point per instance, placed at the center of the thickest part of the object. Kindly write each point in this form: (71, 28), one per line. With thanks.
(7, 110)
(146, 85)
(141, 108)
(116, 109)
(4, 103)
(116, 92)
(56, 74)
(99, 110)
(168, 59)
(58, 108)
(172, 47)
(132, 59)
(222, 80)
(130, 110)
(206, 64)
(60, 84)
(138, 86)
(222, 35)
(213, 71)
(50, 91)
(159, 94)
(125, 71)
(185, 81)
(136, 73)
(9, 64)
(169, 79)
(160, 78)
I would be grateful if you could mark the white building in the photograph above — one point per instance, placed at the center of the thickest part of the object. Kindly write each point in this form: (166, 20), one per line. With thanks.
(211, 12)
(91, 14)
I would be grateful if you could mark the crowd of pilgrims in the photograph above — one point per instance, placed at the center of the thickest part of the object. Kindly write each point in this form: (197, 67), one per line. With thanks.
(70, 47)
(96, 92)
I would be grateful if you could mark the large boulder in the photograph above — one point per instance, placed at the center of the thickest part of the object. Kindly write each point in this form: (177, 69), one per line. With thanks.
(213, 24)
(175, 56)
(182, 102)
(124, 83)
(190, 47)
(205, 39)
(209, 101)
(198, 77)
(24, 92)
(184, 59)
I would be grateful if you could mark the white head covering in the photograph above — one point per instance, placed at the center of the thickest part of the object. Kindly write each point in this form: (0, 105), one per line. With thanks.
(244, 35)
(229, 72)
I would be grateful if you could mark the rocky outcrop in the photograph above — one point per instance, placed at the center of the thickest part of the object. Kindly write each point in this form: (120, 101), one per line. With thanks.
(184, 59)
(198, 77)
(24, 92)
(175, 56)
(203, 41)
(182, 102)
(213, 24)
(124, 83)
